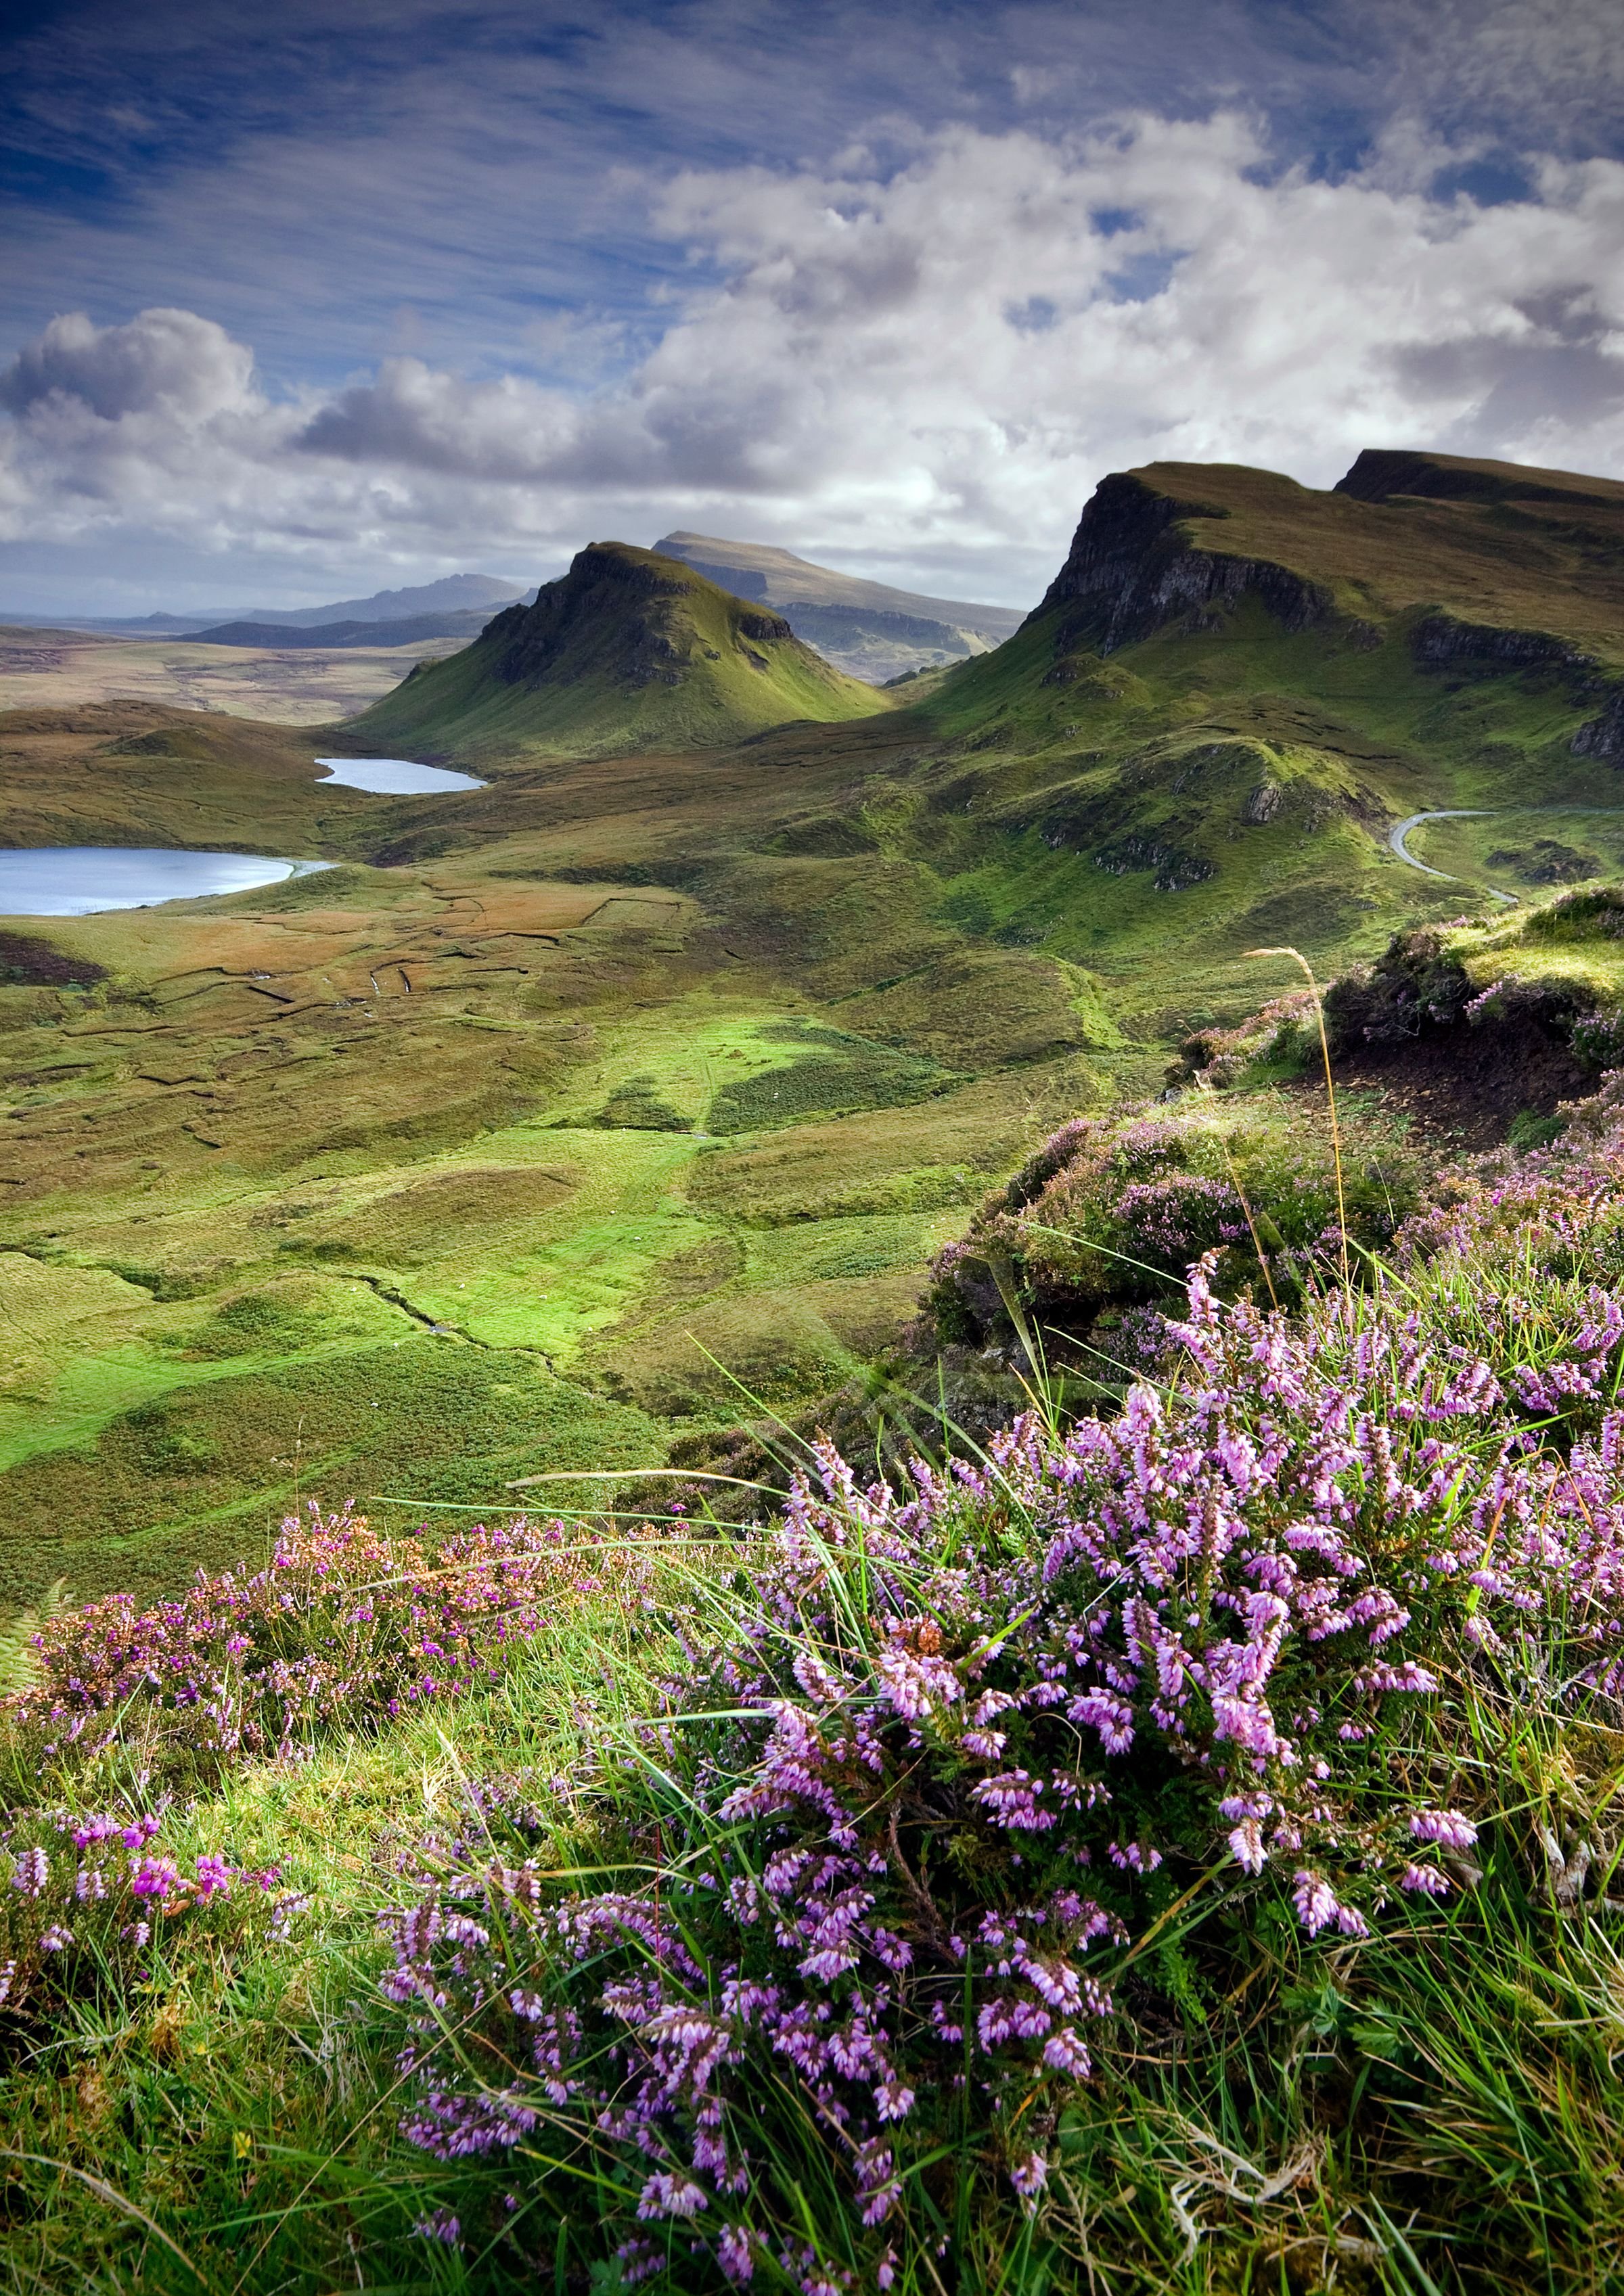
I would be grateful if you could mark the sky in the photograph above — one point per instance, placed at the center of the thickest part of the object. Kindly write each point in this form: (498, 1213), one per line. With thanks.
(297, 301)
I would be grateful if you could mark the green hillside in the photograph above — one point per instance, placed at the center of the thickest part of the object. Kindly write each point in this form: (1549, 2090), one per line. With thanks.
(627, 650)
(1235, 691)
(743, 1058)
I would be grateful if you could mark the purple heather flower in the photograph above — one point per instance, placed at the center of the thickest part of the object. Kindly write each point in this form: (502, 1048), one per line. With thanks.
(441, 2226)
(668, 2195)
(735, 2253)
(1446, 1826)
(1028, 2177)
(32, 1873)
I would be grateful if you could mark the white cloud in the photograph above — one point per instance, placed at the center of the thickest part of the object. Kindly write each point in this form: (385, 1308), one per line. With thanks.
(925, 370)
(171, 360)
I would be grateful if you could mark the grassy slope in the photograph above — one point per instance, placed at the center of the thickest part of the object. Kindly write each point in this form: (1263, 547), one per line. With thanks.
(686, 669)
(292, 1131)
(408, 1107)
(429, 1107)
(1544, 552)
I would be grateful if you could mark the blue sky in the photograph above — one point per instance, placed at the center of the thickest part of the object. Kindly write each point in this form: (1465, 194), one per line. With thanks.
(294, 308)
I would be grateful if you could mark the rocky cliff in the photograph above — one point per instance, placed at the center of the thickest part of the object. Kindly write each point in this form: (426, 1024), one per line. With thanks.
(1136, 564)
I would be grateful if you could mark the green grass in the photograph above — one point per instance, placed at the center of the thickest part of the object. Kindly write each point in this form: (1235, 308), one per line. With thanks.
(1432, 2112)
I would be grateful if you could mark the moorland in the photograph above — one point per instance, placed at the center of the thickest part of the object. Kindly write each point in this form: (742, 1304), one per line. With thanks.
(619, 1112)
(588, 1111)
(57, 669)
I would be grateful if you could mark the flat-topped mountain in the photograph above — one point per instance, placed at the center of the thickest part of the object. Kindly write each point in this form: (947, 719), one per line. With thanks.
(1517, 549)
(868, 628)
(627, 650)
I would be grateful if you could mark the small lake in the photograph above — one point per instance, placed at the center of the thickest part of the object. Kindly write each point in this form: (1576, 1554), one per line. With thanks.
(78, 881)
(394, 777)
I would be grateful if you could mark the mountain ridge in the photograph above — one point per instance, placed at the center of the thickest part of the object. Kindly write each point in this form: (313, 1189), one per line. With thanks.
(419, 629)
(450, 594)
(870, 629)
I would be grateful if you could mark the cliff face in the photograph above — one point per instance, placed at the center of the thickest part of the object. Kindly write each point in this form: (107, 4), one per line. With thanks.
(1442, 640)
(1135, 565)
(1603, 736)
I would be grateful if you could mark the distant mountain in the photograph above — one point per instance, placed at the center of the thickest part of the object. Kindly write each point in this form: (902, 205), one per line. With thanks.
(418, 630)
(453, 594)
(867, 628)
(627, 651)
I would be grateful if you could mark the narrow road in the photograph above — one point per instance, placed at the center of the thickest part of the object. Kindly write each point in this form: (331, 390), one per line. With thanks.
(1397, 835)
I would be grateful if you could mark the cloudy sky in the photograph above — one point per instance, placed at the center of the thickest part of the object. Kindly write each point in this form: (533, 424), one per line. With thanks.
(301, 300)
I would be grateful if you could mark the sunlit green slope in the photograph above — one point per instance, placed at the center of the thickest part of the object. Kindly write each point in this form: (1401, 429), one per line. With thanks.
(627, 650)
(1236, 689)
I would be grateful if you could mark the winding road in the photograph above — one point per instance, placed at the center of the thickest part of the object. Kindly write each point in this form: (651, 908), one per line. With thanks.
(1397, 835)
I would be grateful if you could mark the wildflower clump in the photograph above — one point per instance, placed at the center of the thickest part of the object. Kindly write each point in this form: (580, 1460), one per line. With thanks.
(83, 1892)
(1520, 1258)
(345, 1628)
(930, 1781)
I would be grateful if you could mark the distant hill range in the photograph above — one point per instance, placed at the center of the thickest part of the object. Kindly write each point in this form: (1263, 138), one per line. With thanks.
(416, 629)
(627, 650)
(454, 604)
(868, 629)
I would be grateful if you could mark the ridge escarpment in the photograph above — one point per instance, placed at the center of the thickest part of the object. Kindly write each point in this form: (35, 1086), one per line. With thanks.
(1135, 564)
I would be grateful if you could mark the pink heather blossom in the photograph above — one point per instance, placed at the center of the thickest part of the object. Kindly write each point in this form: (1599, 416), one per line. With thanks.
(735, 2253)
(668, 2195)
(154, 1877)
(1028, 2177)
(1445, 1826)
(1315, 1900)
(442, 2226)
(1246, 1841)
(32, 1873)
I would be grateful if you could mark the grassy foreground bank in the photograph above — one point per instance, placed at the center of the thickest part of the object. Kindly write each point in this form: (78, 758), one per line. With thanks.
(1168, 1851)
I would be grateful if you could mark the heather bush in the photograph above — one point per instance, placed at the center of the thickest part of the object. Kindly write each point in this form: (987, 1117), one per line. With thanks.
(1417, 983)
(1111, 1213)
(345, 1630)
(1282, 1038)
(1171, 1849)
(86, 1889)
(1520, 1258)
(894, 1882)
